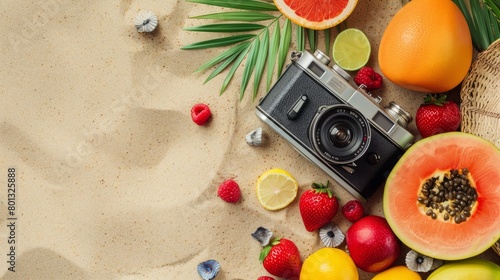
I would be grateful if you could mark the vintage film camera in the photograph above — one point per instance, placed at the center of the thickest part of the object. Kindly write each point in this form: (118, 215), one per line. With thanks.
(336, 125)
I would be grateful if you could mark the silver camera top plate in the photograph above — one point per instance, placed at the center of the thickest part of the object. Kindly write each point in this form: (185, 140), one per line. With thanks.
(338, 83)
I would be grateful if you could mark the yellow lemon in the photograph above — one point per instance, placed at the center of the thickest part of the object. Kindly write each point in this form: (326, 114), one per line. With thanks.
(397, 272)
(329, 263)
(276, 189)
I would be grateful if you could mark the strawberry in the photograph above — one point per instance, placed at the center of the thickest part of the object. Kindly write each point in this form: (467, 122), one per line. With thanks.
(317, 206)
(371, 79)
(353, 210)
(229, 191)
(200, 113)
(265, 278)
(436, 115)
(281, 258)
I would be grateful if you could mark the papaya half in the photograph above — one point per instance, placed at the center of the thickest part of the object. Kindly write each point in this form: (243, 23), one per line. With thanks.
(442, 198)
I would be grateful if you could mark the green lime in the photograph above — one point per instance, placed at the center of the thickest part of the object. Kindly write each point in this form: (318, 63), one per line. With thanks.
(351, 49)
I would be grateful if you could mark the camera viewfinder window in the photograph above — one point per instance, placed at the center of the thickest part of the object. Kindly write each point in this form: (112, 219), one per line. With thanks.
(383, 121)
(316, 69)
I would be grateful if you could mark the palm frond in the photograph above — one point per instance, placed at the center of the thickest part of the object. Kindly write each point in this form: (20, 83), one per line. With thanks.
(258, 45)
(495, 27)
(221, 67)
(226, 27)
(479, 21)
(246, 16)
(328, 41)
(224, 55)
(233, 69)
(251, 5)
(487, 23)
(261, 62)
(219, 42)
(227, 60)
(249, 66)
(284, 45)
(273, 50)
(494, 6)
(301, 38)
(311, 35)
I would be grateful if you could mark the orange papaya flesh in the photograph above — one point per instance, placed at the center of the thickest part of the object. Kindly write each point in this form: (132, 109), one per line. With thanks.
(436, 157)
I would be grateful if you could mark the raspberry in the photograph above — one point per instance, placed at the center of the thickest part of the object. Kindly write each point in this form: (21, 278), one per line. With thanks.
(265, 278)
(229, 191)
(200, 113)
(353, 210)
(371, 79)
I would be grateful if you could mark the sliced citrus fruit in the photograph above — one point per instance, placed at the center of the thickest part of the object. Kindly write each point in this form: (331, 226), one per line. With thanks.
(316, 14)
(276, 189)
(351, 49)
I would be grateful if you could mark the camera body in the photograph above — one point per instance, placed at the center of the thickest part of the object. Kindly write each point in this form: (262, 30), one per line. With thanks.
(336, 125)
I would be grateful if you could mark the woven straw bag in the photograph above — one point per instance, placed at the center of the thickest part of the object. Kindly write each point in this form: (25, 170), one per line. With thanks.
(480, 96)
(480, 99)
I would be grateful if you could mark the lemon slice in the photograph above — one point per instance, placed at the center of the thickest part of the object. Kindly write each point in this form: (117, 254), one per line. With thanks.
(276, 189)
(351, 49)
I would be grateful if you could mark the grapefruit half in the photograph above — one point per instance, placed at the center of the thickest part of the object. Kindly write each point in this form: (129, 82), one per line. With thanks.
(430, 225)
(316, 14)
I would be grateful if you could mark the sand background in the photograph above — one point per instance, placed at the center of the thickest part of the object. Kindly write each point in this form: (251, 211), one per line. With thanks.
(114, 181)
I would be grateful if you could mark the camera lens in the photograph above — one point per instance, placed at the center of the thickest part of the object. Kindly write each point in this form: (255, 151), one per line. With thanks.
(340, 134)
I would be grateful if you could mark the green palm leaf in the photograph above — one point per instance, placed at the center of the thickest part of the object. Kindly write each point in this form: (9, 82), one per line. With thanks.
(237, 16)
(487, 23)
(226, 27)
(219, 42)
(311, 34)
(261, 62)
(243, 5)
(271, 56)
(235, 52)
(284, 45)
(495, 27)
(494, 6)
(328, 42)
(221, 67)
(233, 69)
(479, 22)
(258, 47)
(224, 55)
(249, 66)
(300, 33)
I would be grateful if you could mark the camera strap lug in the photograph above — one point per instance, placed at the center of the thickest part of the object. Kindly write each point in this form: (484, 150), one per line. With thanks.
(294, 56)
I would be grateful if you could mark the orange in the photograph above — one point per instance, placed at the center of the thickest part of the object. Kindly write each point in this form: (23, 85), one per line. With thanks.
(426, 47)
(316, 14)
(397, 272)
(329, 263)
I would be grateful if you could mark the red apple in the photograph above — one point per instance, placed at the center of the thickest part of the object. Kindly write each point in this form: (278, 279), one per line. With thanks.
(372, 244)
